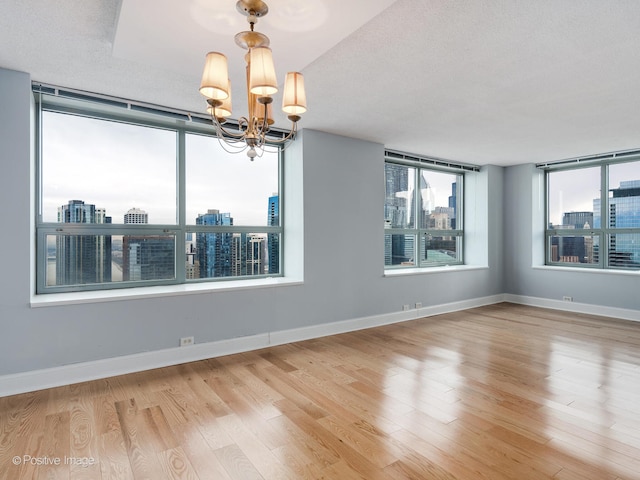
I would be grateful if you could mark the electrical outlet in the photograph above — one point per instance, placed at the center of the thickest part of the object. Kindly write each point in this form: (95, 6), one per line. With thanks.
(405, 307)
(418, 304)
(567, 299)
(186, 341)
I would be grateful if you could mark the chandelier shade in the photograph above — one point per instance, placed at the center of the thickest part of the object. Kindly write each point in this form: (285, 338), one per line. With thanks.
(262, 72)
(215, 78)
(250, 132)
(223, 111)
(294, 98)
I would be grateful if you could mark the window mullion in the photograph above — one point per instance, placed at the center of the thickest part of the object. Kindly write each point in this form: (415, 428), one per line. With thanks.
(181, 254)
(603, 261)
(420, 244)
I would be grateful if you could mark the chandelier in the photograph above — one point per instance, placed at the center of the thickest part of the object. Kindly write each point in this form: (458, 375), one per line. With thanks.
(252, 130)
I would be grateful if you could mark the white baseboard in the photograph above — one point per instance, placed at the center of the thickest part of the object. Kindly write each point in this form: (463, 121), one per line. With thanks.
(80, 372)
(615, 312)
(462, 305)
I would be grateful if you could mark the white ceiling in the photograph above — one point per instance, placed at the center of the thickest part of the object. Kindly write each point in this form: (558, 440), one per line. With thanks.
(498, 82)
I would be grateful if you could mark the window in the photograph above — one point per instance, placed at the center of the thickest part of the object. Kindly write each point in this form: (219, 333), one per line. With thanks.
(593, 213)
(422, 212)
(129, 198)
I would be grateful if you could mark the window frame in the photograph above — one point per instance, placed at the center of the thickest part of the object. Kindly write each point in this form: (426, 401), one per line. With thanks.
(419, 233)
(102, 107)
(601, 233)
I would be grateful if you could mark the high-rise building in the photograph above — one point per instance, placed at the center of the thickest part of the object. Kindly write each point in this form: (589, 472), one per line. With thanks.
(273, 239)
(222, 254)
(255, 262)
(574, 249)
(398, 249)
(396, 207)
(146, 257)
(625, 205)
(214, 250)
(192, 267)
(453, 203)
(577, 220)
(82, 259)
(624, 212)
(427, 203)
(136, 215)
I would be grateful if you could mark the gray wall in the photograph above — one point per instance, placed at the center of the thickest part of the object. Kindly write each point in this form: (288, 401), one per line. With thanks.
(343, 260)
(524, 253)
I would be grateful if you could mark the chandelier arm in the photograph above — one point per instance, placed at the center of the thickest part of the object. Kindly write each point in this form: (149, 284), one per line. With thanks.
(289, 136)
(231, 147)
(225, 132)
(260, 127)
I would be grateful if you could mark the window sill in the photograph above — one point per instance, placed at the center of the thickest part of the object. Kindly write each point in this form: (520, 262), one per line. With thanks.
(399, 272)
(74, 298)
(586, 270)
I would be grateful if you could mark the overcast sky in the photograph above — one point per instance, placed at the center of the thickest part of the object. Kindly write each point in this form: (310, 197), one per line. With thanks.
(575, 190)
(118, 167)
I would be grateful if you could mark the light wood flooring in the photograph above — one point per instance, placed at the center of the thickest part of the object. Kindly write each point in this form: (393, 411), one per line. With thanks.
(498, 392)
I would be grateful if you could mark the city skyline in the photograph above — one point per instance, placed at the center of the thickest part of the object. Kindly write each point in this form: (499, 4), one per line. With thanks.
(92, 258)
(437, 211)
(593, 208)
(623, 249)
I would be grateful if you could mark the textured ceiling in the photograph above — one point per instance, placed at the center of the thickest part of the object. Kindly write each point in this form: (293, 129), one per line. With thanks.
(478, 81)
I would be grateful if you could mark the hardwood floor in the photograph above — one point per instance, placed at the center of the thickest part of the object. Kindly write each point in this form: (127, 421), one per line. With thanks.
(497, 392)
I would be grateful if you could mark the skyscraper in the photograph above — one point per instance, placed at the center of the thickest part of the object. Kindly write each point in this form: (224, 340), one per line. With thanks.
(574, 249)
(577, 220)
(136, 215)
(146, 257)
(397, 214)
(214, 250)
(396, 207)
(192, 265)
(273, 239)
(82, 259)
(453, 203)
(624, 248)
(255, 262)
(624, 212)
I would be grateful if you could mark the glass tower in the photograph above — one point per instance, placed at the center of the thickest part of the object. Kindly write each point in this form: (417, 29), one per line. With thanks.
(214, 250)
(624, 212)
(273, 239)
(82, 259)
(146, 257)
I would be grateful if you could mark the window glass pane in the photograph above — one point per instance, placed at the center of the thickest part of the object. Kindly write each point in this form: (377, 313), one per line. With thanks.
(574, 249)
(94, 259)
(624, 195)
(574, 198)
(230, 184)
(399, 249)
(399, 197)
(439, 250)
(222, 254)
(112, 167)
(437, 200)
(624, 250)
